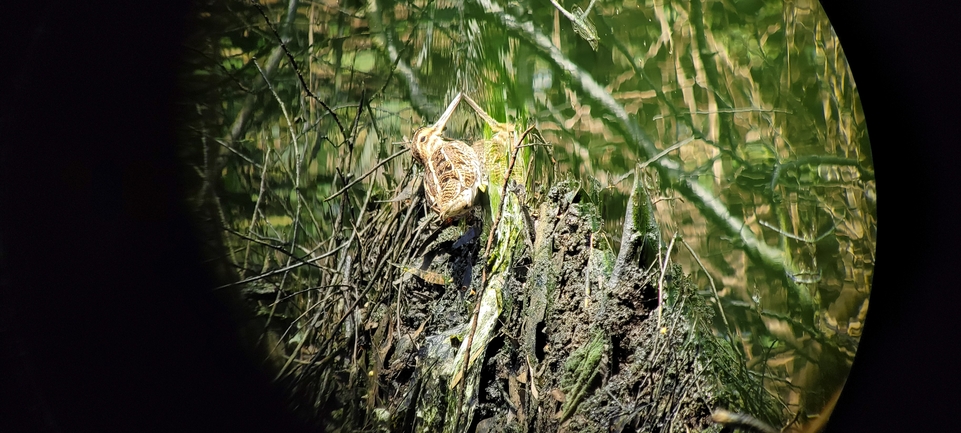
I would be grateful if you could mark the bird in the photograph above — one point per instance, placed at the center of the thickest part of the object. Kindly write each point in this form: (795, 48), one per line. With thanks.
(452, 169)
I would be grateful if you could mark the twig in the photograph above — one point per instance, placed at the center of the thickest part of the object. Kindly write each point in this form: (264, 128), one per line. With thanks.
(587, 271)
(660, 282)
(260, 198)
(246, 112)
(797, 238)
(297, 163)
(729, 110)
(865, 173)
(222, 67)
(237, 152)
(300, 344)
(353, 126)
(711, 279)
(293, 63)
(277, 271)
(304, 259)
(348, 312)
(652, 160)
(665, 152)
(383, 38)
(379, 164)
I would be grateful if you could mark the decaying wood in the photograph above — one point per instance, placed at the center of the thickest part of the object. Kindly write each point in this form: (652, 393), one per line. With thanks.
(562, 353)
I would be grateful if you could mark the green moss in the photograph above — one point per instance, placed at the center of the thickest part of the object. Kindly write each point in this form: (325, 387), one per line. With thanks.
(580, 369)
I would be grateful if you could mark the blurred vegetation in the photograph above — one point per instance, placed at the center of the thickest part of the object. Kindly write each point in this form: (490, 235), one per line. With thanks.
(741, 116)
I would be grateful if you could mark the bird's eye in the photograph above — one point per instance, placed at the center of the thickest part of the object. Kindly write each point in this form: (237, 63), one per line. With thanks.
(423, 138)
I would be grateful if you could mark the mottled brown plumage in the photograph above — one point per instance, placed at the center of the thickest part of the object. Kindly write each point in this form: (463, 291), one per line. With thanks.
(452, 169)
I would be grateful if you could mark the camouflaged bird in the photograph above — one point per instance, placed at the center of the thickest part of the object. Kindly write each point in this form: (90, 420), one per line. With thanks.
(452, 169)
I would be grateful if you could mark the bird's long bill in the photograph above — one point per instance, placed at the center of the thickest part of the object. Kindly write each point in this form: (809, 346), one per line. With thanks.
(480, 112)
(439, 125)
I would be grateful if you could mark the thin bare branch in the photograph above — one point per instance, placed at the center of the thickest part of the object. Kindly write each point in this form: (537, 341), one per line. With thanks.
(278, 271)
(717, 298)
(293, 63)
(364, 176)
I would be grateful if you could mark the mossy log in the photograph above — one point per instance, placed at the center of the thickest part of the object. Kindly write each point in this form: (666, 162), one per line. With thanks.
(567, 338)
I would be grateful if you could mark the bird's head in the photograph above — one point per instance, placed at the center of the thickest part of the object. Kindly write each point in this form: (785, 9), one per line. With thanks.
(428, 138)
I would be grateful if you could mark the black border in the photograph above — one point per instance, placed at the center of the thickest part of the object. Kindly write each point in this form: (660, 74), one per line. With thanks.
(104, 321)
(85, 118)
(904, 58)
